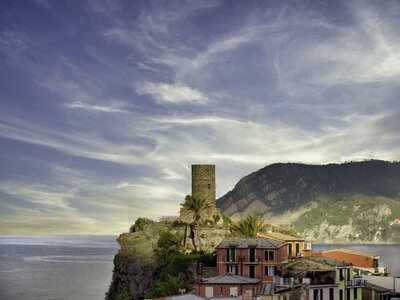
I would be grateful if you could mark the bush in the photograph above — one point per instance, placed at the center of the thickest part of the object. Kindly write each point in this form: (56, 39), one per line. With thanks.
(140, 224)
(169, 242)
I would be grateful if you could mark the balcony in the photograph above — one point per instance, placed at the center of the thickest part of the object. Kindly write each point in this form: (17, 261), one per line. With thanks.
(253, 261)
(229, 260)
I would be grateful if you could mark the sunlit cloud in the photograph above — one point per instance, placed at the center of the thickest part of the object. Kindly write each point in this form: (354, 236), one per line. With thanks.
(171, 93)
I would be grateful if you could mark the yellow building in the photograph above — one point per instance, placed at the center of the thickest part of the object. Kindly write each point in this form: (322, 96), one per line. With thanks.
(296, 246)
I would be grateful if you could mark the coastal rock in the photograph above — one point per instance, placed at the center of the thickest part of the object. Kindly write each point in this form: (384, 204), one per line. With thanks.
(138, 265)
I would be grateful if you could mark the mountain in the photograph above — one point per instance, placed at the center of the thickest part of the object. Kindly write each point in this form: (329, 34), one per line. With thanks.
(349, 202)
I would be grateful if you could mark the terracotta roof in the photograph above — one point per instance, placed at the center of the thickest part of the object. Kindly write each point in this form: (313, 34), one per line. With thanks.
(353, 252)
(237, 242)
(279, 236)
(230, 279)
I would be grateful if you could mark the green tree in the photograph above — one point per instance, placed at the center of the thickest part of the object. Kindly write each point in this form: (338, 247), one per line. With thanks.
(198, 209)
(248, 227)
(169, 286)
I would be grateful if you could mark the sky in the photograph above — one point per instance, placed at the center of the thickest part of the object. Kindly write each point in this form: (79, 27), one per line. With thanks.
(106, 104)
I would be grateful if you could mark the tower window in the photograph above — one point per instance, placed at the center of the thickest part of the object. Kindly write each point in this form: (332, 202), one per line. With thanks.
(209, 186)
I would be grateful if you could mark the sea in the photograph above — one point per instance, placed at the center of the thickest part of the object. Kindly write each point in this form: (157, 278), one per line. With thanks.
(80, 267)
(56, 267)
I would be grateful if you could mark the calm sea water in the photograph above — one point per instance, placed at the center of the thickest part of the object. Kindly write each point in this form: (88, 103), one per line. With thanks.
(80, 267)
(56, 267)
(389, 254)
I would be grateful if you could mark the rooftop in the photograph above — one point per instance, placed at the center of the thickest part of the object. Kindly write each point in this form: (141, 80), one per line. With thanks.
(314, 264)
(330, 261)
(238, 242)
(374, 256)
(230, 279)
(279, 236)
(376, 287)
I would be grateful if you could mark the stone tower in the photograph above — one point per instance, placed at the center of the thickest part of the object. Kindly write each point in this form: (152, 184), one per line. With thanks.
(203, 183)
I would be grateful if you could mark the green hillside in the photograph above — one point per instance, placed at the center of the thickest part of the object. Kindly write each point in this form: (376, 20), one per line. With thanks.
(350, 202)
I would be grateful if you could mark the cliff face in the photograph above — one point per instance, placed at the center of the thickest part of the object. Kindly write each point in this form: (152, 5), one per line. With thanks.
(351, 202)
(138, 264)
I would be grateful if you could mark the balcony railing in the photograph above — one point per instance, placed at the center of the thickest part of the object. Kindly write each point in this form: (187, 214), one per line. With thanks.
(254, 260)
(230, 259)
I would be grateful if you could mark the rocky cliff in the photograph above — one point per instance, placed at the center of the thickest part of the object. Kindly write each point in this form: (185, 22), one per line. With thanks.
(350, 202)
(140, 261)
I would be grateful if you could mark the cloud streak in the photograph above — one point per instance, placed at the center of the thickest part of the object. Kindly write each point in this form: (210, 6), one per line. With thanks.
(171, 93)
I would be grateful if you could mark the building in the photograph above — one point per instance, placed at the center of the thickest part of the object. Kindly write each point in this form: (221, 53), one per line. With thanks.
(375, 292)
(228, 285)
(296, 246)
(365, 261)
(251, 257)
(326, 278)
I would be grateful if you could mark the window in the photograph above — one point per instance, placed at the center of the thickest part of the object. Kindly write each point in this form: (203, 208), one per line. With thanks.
(348, 274)
(232, 269)
(355, 293)
(231, 254)
(290, 249)
(252, 273)
(270, 255)
(331, 294)
(252, 254)
(340, 294)
(270, 270)
(348, 294)
(341, 274)
(297, 249)
(318, 294)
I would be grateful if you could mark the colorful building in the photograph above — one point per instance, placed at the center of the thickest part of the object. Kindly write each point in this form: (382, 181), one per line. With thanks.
(257, 258)
(365, 261)
(229, 285)
(326, 278)
(296, 246)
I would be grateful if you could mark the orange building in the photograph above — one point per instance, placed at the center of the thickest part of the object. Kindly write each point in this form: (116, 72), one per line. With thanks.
(250, 257)
(228, 286)
(356, 258)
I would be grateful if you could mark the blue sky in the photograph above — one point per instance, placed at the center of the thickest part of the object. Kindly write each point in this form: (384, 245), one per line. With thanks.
(106, 104)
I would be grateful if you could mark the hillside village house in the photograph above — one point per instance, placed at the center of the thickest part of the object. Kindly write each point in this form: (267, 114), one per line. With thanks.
(364, 261)
(326, 278)
(250, 257)
(296, 246)
(244, 265)
(229, 285)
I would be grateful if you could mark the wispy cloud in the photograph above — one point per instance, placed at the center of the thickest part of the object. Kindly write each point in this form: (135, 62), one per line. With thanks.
(111, 122)
(171, 93)
(94, 108)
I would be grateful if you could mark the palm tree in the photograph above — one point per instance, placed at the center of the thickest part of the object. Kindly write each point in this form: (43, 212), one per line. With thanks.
(172, 284)
(248, 227)
(198, 209)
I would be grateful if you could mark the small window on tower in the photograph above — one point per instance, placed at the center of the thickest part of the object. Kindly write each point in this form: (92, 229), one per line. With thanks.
(209, 186)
